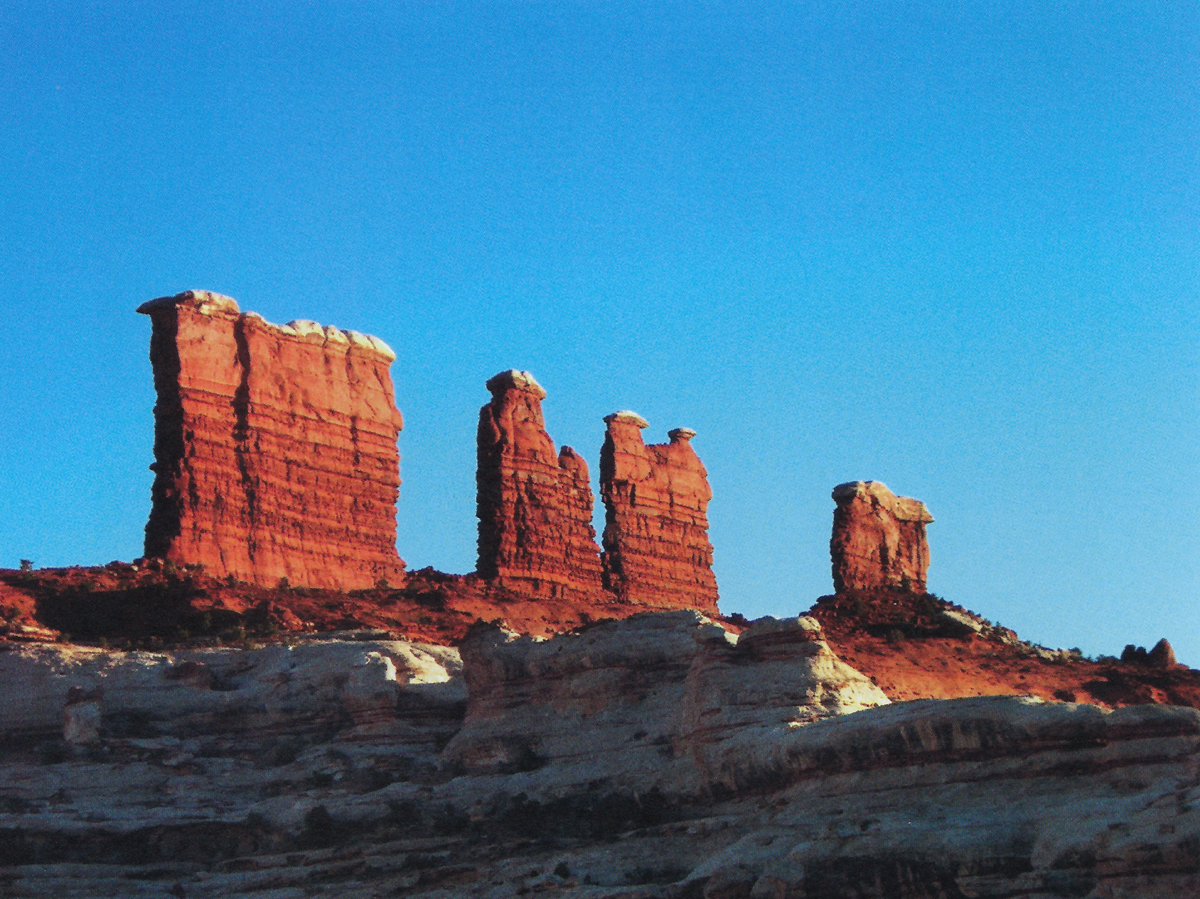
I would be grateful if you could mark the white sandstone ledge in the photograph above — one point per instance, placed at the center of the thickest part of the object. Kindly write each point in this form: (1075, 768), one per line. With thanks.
(627, 416)
(515, 379)
(207, 302)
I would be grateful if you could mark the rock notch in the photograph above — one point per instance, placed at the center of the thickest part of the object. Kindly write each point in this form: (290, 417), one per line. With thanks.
(274, 446)
(534, 505)
(878, 539)
(656, 548)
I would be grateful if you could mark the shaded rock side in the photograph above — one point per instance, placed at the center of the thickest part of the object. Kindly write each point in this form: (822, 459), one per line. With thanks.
(656, 547)
(878, 539)
(275, 447)
(534, 505)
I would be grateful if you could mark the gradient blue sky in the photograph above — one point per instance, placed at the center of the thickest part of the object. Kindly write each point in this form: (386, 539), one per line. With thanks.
(952, 247)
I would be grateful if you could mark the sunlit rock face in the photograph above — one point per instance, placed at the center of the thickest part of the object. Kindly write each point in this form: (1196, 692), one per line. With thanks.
(534, 505)
(656, 547)
(274, 445)
(878, 539)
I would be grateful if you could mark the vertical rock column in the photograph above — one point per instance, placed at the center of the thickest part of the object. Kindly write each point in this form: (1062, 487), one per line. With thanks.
(274, 445)
(534, 506)
(878, 539)
(656, 548)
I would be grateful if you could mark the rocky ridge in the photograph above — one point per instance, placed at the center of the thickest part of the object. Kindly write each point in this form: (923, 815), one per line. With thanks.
(238, 751)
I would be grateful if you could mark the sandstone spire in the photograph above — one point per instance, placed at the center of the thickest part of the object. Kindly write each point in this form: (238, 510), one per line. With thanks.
(534, 506)
(878, 539)
(274, 446)
(656, 548)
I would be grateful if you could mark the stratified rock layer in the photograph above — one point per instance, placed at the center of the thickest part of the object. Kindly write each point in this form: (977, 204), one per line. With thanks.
(656, 548)
(534, 505)
(606, 701)
(275, 447)
(654, 758)
(878, 539)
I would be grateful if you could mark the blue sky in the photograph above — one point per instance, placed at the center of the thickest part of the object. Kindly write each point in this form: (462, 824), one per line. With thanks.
(948, 247)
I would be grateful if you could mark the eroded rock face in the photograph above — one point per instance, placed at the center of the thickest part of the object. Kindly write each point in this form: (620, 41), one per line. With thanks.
(534, 505)
(878, 539)
(275, 447)
(318, 685)
(656, 547)
(656, 700)
(656, 758)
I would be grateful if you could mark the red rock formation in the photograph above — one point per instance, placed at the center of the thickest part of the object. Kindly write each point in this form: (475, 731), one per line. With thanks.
(878, 539)
(275, 447)
(534, 506)
(656, 549)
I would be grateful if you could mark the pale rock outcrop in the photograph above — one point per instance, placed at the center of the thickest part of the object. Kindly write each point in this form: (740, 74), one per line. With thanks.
(878, 539)
(598, 702)
(82, 714)
(534, 505)
(656, 547)
(276, 771)
(314, 684)
(661, 696)
(274, 446)
(777, 674)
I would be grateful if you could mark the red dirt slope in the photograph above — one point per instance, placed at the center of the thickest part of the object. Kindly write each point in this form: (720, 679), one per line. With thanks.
(913, 649)
(914, 646)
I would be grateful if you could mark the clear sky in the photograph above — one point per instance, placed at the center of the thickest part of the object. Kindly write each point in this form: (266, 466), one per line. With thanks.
(949, 246)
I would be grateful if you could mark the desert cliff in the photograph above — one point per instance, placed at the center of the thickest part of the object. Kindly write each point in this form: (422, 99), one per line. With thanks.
(659, 757)
(268, 705)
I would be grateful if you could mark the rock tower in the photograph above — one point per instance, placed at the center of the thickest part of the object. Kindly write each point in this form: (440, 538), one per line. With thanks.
(534, 505)
(274, 447)
(878, 539)
(656, 548)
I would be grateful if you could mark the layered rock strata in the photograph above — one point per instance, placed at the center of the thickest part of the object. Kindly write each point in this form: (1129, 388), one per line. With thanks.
(878, 539)
(534, 505)
(656, 758)
(656, 547)
(275, 447)
(609, 699)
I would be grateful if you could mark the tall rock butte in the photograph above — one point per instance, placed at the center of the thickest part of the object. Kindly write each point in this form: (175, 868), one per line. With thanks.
(878, 539)
(274, 446)
(656, 548)
(534, 505)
